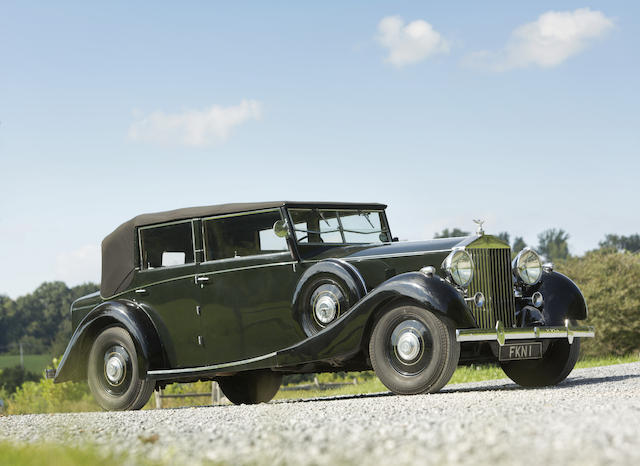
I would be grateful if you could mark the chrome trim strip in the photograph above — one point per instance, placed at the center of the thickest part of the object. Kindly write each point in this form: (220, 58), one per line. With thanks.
(382, 256)
(215, 272)
(486, 334)
(226, 260)
(212, 367)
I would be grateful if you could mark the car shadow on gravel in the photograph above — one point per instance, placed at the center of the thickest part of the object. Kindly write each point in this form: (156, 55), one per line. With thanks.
(570, 382)
(502, 385)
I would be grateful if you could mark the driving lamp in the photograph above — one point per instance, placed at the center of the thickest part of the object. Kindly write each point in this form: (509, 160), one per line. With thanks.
(459, 267)
(527, 266)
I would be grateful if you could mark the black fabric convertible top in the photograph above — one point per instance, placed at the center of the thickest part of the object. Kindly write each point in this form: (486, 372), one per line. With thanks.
(119, 247)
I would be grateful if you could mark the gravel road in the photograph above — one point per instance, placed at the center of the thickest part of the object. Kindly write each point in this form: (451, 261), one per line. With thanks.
(591, 418)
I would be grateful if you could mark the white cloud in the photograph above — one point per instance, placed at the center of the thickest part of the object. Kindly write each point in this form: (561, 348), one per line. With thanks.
(410, 43)
(194, 127)
(79, 266)
(550, 40)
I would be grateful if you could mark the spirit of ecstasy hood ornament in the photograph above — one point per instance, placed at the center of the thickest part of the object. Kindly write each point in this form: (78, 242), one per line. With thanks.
(479, 222)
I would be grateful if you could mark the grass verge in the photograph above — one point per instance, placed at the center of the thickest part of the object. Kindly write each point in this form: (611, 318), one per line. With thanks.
(36, 455)
(35, 363)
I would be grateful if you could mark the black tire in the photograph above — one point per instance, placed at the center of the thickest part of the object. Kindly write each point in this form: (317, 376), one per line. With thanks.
(113, 351)
(251, 387)
(325, 288)
(554, 366)
(433, 362)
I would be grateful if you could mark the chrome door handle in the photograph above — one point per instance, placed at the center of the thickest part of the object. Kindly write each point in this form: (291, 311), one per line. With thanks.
(202, 280)
(141, 292)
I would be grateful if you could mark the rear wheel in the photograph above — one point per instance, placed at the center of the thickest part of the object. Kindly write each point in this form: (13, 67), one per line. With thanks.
(554, 366)
(112, 372)
(412, 351)
(251, 387)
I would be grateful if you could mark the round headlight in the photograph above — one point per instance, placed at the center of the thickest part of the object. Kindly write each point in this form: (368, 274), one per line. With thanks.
(527, 266)
(459, 266)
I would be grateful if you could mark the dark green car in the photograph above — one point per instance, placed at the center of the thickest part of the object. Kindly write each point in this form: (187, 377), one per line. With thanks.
(244, 293)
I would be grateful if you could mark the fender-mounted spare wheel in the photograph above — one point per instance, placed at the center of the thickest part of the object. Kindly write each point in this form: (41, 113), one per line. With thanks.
(326, 291)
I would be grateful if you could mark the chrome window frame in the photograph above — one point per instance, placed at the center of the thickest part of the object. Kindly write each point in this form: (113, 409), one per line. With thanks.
(238, 214)
(380, 211)
(143, 268)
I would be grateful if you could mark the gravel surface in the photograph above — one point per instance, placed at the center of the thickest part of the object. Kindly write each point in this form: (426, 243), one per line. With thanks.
(591, 418)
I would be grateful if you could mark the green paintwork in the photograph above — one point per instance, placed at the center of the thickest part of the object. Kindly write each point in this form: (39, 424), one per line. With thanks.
(244, 309)
(488, 242)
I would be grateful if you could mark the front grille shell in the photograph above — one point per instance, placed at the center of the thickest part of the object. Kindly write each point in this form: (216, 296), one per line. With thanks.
(492, 277)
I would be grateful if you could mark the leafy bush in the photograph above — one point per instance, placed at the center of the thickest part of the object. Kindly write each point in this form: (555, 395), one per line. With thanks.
(46, 397)
(609, 281)
(43, 396)
(12, 377)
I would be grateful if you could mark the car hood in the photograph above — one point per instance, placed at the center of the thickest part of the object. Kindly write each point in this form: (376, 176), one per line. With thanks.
(396, 249)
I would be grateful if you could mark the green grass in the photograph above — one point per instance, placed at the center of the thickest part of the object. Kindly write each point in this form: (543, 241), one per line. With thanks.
(32, 362)
(12, 454)
(607, 360)
(35, 455)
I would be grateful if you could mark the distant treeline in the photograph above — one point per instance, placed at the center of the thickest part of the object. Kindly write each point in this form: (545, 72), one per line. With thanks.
(40, 321)
(553, 243)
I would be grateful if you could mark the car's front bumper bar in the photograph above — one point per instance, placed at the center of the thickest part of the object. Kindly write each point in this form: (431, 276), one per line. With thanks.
(502, 334)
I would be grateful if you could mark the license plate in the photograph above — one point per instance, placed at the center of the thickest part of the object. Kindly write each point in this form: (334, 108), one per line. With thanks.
(521, 351)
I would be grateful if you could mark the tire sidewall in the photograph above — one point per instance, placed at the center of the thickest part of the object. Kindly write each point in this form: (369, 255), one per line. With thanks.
(109, 337)
(380, 356)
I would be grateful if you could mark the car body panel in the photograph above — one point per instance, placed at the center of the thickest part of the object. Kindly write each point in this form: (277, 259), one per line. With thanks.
(217, 317)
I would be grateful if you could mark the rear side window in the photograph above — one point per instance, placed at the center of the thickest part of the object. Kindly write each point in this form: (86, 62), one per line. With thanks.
(248, 234)
(166, 245)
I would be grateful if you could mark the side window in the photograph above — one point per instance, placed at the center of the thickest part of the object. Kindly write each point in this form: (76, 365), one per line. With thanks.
(166, 245)
(242, 235)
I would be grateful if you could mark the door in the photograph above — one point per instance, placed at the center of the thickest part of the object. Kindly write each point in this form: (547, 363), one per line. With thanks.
(248, 280)
(166, 286)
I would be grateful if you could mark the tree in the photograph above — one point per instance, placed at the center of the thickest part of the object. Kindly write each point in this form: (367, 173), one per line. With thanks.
(552, 244)
(518, 245)
(446, 233)
(504, 236)
(621, 243)
(609, 283)
(39, 320)
(13, 377)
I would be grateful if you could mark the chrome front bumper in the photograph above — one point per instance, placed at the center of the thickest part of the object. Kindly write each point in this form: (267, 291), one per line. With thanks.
(502, 334)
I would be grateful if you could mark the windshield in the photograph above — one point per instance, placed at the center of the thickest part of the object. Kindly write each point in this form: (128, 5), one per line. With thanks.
(339, 226)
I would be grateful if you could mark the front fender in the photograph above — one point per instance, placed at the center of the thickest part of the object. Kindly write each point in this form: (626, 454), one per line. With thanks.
(127, 314)
(562, 299)
(346, 336)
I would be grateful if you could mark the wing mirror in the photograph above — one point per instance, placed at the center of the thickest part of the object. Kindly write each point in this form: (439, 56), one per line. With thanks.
(281, 229)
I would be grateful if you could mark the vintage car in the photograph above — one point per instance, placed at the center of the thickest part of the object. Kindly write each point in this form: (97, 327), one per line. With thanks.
(244, 293)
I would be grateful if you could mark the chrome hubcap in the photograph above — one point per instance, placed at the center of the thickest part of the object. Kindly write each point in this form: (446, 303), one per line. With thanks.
(114, 369)
(408, 346)
(325, 309)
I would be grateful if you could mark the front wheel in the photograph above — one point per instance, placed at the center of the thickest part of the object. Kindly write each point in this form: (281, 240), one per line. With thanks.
(554, 366)
(251, 387)
(113, 374)
(412, 351)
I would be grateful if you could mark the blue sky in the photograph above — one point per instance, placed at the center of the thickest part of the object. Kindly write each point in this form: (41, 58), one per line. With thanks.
(525, 115)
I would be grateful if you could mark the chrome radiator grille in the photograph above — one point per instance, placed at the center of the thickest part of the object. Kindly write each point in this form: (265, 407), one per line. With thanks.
(492, 277)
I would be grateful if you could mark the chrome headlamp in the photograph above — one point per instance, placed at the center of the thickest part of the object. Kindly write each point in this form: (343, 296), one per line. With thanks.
(459, 267)
(527, 266)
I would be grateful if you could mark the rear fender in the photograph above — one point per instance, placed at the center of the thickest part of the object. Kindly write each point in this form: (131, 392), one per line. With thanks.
(124, 313)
